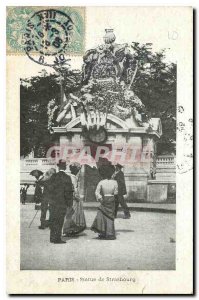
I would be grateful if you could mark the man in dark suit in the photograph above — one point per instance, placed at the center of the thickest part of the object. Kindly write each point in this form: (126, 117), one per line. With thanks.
(119, 177)
(62, 198)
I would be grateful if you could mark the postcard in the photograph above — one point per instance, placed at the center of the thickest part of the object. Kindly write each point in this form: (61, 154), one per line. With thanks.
(99, 150)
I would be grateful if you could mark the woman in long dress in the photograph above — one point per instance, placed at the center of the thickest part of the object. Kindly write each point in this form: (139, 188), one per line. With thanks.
(105, 194)
(75, 220)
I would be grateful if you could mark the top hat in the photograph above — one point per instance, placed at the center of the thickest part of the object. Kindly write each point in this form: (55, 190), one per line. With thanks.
(61, 163)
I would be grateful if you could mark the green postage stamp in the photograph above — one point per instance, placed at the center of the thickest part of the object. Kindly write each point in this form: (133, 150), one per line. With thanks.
(45, 31)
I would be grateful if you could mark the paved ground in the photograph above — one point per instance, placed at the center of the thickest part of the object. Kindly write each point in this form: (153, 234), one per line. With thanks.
(156, 207)
(144, 242)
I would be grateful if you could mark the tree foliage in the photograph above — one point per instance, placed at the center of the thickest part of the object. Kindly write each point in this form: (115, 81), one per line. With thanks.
(156, 87)
(34, 96)
(154, 84)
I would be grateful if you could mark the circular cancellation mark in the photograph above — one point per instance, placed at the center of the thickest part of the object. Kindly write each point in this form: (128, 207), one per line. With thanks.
(48, 33)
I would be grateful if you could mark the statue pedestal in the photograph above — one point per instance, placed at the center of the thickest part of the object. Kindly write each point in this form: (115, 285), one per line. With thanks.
(159, 191)
(122, 139)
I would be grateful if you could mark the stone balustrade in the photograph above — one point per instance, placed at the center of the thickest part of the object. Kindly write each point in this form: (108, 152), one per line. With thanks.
(157, 190)
(37, 162)
(166, 168)
(165, 161)
(162, 160)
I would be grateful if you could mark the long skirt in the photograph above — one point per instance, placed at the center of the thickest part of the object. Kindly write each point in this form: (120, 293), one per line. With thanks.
(104, 221)
(75, 222)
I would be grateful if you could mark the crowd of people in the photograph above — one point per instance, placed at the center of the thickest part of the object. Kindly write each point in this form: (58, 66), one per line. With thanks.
(59, 192)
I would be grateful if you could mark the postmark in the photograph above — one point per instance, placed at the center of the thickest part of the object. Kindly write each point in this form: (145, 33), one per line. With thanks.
(185, 135)
(48, 34)
(20, 19)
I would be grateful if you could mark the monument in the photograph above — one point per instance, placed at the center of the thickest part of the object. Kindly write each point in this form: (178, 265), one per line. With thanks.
(107, 117)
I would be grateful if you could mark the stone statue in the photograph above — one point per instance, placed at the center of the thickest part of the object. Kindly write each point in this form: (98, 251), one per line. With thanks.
(108, 60)
(107, 65)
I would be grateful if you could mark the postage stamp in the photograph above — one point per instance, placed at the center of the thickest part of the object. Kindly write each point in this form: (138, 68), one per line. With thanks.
(45, 31)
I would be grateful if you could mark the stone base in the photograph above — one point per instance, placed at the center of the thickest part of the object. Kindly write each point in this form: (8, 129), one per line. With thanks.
(136, 185)
(161, 191)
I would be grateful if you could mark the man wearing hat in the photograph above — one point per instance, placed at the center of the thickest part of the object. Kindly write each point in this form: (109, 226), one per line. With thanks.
(62, 198)
(46, 196)
(119, 177)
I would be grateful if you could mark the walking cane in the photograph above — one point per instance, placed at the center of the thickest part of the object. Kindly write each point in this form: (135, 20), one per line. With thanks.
(33, 219)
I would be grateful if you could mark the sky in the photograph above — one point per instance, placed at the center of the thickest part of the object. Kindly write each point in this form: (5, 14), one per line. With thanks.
(159, 26)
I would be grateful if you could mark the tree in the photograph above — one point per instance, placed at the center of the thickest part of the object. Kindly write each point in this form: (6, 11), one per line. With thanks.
(35, 94)
(154, 83)
(156, 87)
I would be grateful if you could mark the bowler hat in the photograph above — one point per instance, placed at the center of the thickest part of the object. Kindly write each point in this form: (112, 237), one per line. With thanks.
(61, 163)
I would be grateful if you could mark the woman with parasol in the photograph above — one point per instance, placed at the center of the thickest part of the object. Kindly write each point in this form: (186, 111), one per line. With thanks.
(38, 189)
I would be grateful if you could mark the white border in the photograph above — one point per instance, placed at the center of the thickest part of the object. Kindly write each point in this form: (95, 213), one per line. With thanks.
(194, 3)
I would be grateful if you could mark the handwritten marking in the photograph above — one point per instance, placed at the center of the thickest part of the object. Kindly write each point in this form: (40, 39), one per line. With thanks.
(173, 35)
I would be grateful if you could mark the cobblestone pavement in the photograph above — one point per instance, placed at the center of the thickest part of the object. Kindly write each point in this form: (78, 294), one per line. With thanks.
(144, 242)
